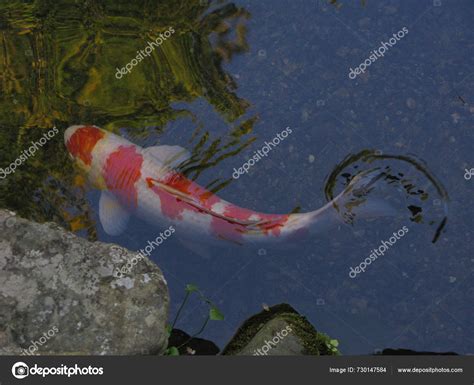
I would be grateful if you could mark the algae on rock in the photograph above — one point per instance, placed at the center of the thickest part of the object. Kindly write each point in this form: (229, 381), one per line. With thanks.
(262, 328)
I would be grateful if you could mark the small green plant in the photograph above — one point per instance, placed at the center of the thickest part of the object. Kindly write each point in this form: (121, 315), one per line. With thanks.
(332, 346)
(213, 315)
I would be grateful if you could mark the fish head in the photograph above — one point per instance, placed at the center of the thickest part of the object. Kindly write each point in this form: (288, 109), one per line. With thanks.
(80, 141)
(83, 145)
(109, 161)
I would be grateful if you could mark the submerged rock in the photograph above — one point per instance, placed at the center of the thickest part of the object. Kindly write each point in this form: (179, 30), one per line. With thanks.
(408, 352)
(59, 295)
(279, 330)
(188, 345)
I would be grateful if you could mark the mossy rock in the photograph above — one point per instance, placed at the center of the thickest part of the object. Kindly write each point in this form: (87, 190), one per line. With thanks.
(280, 330)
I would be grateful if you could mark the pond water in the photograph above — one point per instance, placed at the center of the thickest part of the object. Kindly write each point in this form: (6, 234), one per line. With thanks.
(233, 77)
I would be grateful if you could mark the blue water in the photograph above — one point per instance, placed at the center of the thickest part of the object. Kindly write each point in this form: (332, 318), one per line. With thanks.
(417, 99)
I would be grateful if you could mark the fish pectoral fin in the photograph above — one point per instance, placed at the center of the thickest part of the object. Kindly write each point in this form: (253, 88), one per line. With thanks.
(171, 156)
(113, 216)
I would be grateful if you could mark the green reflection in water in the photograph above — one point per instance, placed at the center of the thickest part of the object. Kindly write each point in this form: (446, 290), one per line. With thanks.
(58, 62)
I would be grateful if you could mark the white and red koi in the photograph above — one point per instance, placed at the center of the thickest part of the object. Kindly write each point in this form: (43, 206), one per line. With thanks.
(144, 182)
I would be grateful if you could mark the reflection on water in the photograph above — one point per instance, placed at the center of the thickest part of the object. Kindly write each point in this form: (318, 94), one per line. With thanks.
(57, 68)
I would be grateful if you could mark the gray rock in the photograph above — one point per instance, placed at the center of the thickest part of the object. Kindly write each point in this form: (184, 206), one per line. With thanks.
(58, 292)
(279, 331)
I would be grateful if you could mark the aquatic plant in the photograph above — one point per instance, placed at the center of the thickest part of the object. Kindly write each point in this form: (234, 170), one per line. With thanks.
(213, 315)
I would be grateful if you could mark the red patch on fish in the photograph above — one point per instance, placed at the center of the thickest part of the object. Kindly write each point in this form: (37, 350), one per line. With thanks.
(122, 170)
(231, 224)
(273, 223)
(171, 205)
(200, 202)
(268, 223)
(82, 142)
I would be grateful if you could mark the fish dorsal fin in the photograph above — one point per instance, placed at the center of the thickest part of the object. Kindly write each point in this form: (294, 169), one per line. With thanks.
(113, 216)
(171, 156)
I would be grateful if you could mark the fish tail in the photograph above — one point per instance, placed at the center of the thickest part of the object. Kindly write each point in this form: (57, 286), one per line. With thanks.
(353, 202)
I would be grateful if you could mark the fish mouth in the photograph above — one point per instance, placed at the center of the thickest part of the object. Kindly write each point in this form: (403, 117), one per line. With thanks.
(70, 132)
(80, 141)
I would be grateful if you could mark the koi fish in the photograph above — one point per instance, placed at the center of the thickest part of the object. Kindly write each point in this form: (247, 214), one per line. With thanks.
(145, 182)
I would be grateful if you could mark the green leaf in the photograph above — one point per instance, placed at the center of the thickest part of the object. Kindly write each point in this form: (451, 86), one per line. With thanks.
(334, 343)
(169, 329)
(191, 288)
(172, 351)
(215, 314)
